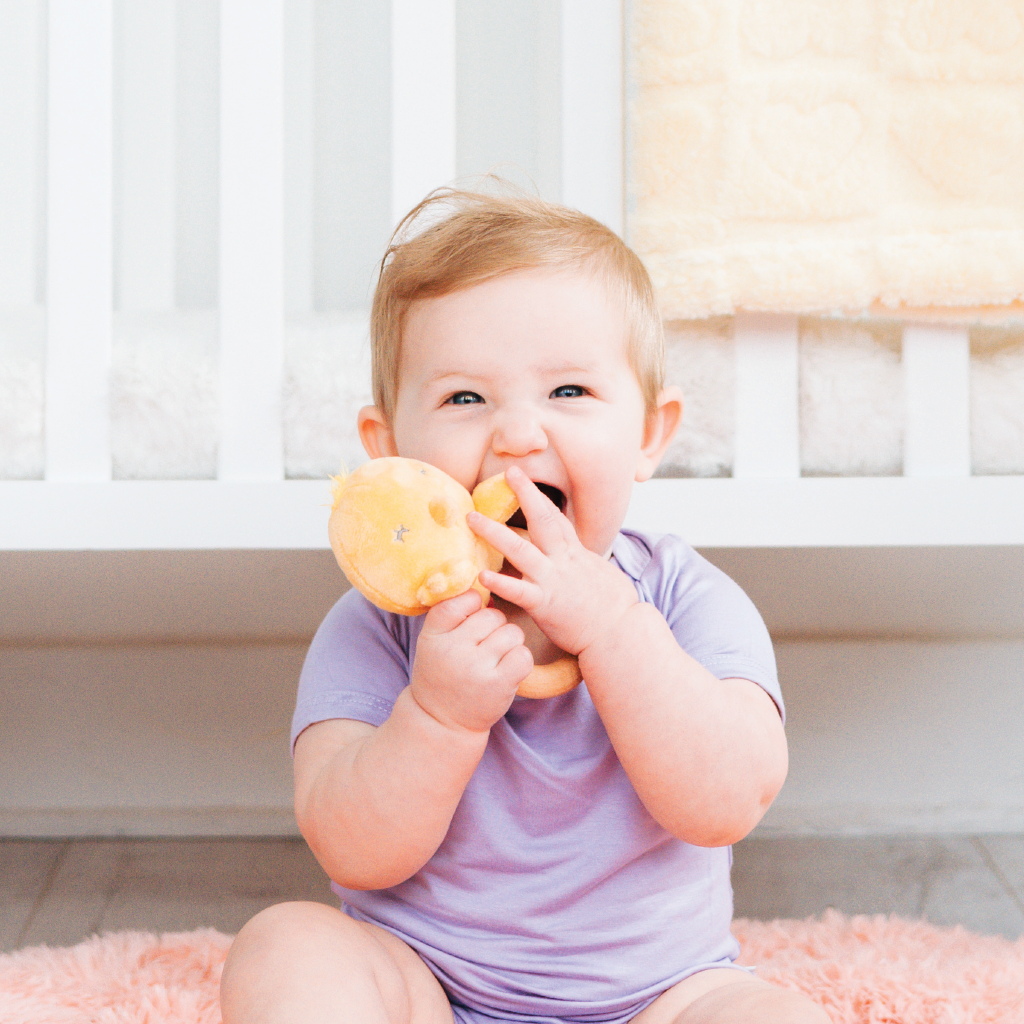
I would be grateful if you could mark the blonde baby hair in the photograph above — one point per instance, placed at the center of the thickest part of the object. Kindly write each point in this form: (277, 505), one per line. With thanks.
(472, 236)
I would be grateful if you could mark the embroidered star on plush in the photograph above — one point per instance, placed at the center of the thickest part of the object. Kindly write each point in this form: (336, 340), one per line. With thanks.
(400, 534)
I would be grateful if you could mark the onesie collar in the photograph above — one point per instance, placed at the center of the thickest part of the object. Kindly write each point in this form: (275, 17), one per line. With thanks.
(632, 553)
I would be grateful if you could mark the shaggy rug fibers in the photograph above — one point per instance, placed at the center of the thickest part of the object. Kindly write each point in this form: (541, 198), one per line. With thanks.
(863, 970)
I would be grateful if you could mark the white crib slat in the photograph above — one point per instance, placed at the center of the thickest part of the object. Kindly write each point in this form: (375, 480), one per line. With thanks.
(19, 128)
(422, 100)
(298, 155)
(198, 158)
(767, 396)
(251, 239)
(592, 109)
(79, 239)
(936, 376)
(146, 252)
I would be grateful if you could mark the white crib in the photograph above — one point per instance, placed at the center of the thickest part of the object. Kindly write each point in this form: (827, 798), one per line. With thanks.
(902, 668)
(250, 505)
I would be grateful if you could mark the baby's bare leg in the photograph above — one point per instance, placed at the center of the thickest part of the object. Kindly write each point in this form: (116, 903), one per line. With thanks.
(726, 996)
(308, 962)
(753, 1000)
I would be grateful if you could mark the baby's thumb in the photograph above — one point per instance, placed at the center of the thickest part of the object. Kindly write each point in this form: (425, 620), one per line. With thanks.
(446, 615)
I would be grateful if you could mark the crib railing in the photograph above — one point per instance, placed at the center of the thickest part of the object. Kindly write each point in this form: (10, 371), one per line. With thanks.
(767, 504)
(79, 507)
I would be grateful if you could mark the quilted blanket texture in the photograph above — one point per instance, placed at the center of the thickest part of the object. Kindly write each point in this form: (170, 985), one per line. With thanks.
(822, 156)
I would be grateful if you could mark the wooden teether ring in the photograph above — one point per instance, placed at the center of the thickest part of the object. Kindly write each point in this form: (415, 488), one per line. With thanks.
(551, 680)
(398, 530)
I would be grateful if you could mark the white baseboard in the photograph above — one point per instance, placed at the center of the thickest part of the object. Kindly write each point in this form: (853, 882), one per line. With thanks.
(145, 822)
(833, 820)
(862, 819)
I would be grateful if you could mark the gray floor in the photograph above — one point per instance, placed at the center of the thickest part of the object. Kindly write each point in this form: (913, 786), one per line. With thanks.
(57, 892)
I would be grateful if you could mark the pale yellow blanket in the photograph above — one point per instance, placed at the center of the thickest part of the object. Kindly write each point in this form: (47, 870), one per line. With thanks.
(828, 155)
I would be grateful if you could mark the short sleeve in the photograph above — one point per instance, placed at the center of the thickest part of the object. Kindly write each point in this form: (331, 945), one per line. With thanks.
(709, 614)
(356, 666)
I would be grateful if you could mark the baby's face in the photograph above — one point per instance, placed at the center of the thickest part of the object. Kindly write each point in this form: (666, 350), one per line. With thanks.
(527, 369)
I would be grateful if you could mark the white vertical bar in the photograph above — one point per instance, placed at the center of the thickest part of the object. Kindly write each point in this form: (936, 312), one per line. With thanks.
(19, 129)
(251, 239)
(79, 274)
(936, 378)
(298, 155)
(767, 396)
(548, 113)
(197, 133)
(592, 109)
(422, 100)
(42, 149)
(146, 250)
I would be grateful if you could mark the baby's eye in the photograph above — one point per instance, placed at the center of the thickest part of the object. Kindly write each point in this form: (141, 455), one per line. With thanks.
(569, 391)
(463, 398)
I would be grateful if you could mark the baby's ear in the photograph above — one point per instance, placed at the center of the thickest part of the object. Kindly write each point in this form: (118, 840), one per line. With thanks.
(659, 429)
(375, 433)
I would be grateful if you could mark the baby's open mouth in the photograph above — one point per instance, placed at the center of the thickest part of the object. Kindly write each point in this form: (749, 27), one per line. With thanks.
(553, 494)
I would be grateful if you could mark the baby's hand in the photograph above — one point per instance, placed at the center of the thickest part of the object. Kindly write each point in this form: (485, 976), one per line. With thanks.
(469, 662)
(573, 594)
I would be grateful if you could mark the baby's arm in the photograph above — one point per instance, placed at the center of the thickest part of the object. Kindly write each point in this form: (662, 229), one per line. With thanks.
(375, 803)
(706, 756)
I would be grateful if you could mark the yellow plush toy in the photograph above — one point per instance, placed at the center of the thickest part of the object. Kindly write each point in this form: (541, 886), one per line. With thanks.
(398, 530)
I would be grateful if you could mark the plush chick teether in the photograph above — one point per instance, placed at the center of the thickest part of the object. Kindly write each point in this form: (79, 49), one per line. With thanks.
(398, 530)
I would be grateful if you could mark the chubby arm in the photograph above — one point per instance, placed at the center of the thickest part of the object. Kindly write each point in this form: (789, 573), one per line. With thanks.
(375, 803)
(706, 756)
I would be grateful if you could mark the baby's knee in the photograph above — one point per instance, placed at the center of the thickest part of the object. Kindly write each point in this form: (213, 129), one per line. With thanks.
(281, 931)
(310, 962)
(265, 952)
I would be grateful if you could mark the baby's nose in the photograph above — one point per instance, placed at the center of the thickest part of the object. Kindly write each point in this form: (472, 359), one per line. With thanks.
(518, 433)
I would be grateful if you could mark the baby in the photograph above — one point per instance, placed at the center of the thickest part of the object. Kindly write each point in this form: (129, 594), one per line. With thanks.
(500, 858)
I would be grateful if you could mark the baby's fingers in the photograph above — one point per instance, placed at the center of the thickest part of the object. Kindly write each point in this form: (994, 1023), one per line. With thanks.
(516, 664)
(503, 640)
(518, 550)
(546, 523)
(522, 592)
(447, 615)
(480, 625)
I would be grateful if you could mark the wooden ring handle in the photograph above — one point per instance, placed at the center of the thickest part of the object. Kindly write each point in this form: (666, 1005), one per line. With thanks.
(551, 680)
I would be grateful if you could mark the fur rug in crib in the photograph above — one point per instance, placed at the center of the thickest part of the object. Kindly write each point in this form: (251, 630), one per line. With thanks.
(863, 970)
(164, 404)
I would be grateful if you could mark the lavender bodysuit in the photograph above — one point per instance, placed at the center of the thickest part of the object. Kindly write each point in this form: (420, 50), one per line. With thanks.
(555, 896)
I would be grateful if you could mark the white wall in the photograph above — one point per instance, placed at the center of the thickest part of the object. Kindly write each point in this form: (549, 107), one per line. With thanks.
(903, 672)
(147, 739)
(902, 736)
(151, 692)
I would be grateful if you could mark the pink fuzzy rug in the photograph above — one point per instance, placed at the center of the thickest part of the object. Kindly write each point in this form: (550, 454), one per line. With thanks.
(863, 970)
